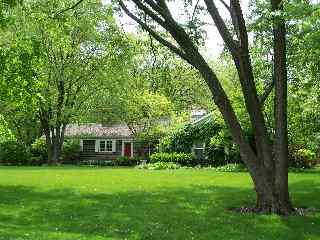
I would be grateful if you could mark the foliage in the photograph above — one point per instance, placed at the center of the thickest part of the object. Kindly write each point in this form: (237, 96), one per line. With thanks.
(39, 149)
(97, 162)
(182, 139)
(303, 66)
(231, 167)
(14, 153)
(70, 151)
(127, 161)
(159, 86)
(153, 134)
(184, 159)
(221, 150)
(55, 66)
(301, 157)
(159, 166)
(157, 70)
(219, 147)
(144, 110)
(5, 132)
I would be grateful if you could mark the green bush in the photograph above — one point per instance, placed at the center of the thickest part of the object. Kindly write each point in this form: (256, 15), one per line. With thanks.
(301, 157)
(70, 151)
(232, 167)
(14, 153)
(219, 147)
(127, 161)
(221, 150)
(182, 139)
(39, 150)
(159, 166)
(184, 159)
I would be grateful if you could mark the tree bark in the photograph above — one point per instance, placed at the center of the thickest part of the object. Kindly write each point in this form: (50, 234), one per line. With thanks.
(54, 139)
(53, 148)
(280, 110)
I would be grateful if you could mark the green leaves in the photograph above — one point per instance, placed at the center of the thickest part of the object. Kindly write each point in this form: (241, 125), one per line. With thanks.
(303, 35)
(5, 132)
(182, 139)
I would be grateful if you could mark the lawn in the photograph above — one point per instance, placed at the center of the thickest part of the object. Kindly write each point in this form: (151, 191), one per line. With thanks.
(106, 203)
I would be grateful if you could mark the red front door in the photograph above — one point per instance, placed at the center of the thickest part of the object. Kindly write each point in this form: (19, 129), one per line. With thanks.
(127, 149)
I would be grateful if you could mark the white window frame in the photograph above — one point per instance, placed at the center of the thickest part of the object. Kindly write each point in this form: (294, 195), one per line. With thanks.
(88, 139)
(81, 145)
(198, 148)
(202, 147)
(113, 145)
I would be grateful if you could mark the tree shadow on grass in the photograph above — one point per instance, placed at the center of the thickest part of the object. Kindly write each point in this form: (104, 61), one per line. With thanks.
(195, 212)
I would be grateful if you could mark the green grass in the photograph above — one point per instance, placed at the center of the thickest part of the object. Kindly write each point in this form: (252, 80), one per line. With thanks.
(105, 203)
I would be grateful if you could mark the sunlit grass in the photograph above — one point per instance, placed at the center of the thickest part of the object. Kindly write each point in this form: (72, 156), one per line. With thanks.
(107, 203)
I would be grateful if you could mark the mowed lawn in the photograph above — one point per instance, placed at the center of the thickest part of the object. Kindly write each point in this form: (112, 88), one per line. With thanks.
(77, 203)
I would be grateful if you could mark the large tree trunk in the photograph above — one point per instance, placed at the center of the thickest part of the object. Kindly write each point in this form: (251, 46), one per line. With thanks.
(54, 139)
(56, 146)
(54, 150)
(260, 162)
(56, 154)
(268, 200)
(280, 110)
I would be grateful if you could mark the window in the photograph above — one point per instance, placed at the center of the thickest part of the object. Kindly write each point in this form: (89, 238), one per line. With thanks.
(105, 146)
(88, 145)
(198, 145)
(198, 150)
(109, 146)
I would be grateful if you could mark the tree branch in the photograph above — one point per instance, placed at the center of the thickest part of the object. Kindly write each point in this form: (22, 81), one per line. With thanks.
(194, 10)
(68, 8)
(263, 97)
(239, 23)
(153, 33)
(226, 5)
(146, 10)
(220, 24)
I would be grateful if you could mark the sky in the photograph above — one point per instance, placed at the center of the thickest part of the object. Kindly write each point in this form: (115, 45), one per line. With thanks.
(214, 43)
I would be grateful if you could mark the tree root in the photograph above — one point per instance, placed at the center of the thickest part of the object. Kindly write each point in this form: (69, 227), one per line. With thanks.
(302, 211)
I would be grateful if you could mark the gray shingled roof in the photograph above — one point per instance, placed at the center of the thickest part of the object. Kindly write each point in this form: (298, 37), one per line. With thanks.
(205, 118)
(98, 131)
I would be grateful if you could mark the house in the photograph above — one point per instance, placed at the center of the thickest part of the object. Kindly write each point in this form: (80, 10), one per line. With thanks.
(198, 118)
(107, 143)
(98, 142)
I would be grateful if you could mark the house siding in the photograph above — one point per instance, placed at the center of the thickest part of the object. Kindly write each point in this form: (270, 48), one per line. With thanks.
(103, 156)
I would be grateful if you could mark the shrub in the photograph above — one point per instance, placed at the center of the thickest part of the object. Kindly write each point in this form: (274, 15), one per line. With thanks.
(184, 159)
(182, 139)
(39, 150)
(70, 151)
(221, 150)
(232, 167)
(97, 162)
(14, 153)
(301, 157)
(127, 161)
(159, 166)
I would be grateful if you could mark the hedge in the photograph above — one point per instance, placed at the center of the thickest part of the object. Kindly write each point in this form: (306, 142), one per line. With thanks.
(184, 159)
